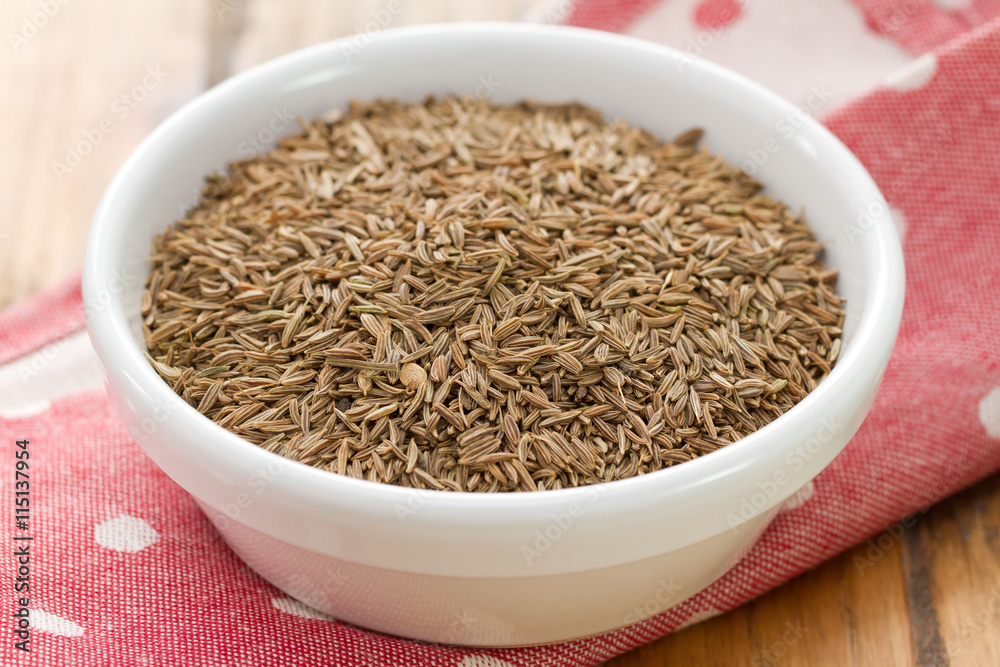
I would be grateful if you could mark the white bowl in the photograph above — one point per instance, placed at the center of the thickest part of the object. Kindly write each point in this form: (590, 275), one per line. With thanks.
(495, 569)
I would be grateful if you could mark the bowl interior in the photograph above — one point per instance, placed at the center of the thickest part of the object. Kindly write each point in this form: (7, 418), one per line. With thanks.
(665, 95)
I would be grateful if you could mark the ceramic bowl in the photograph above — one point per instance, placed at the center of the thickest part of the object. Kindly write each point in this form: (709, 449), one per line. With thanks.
(495, 569)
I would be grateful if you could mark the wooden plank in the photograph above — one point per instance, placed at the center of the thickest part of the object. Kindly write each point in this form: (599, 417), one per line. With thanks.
(925, 628)
(272, 30)
(837, 614)
(925, 592)
(67, 127)
(871, 601)
(960, 543)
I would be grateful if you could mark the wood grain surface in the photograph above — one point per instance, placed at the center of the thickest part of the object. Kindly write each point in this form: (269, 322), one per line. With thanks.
(84, 82)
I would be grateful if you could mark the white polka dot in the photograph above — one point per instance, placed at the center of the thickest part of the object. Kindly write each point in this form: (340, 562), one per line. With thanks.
(900, 220)
(22, 410)
(914, 75)
(989, 413)
(125, 533)
(296, 608)
(56, 625)
(698, 617)
(483, 661)
(800, 497)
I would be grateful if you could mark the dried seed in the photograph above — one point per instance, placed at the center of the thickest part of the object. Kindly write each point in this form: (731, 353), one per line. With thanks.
(462, 296)
(412, 375)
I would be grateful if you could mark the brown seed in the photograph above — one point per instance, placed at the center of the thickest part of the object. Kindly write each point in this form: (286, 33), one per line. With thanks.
(412, 375)
(462, 296)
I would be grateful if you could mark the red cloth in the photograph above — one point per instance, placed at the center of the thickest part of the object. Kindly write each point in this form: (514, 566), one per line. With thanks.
(125, 570)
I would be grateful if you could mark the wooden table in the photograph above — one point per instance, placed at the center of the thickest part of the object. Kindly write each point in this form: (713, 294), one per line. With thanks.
(84, 82)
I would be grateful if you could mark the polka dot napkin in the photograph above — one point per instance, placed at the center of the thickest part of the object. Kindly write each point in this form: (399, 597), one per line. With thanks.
(124, 569)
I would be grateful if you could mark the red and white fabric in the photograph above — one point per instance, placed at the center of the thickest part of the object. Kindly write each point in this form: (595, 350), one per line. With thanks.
(127, 571)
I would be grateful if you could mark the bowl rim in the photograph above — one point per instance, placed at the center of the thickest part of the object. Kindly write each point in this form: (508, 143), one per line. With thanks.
(868, 350)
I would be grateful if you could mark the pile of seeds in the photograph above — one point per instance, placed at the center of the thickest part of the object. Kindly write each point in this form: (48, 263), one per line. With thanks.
(463, 296)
